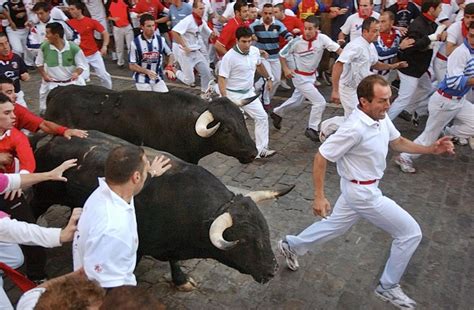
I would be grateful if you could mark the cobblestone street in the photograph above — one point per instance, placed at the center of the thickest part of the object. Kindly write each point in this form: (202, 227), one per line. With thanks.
(342, 273)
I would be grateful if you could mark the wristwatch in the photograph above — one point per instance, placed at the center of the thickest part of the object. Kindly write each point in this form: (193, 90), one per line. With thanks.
(268, 78)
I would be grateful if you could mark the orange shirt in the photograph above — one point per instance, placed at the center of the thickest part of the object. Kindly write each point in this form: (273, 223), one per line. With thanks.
(119, 9)
(86, 27)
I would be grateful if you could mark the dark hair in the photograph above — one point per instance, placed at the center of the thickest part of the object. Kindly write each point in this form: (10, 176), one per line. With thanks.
(71, 293)
(3, 34)
(239, 5)
(195, 3)
(469, 9)
(365, 89)
(368, 22)
(243, 32)
(267, 5)
(131, 297)
(427, 4)
(78, 4)
(123, 162)
(146, 17)
(41, 6)
(251, 5)
(4, 99)
(371, 2)
(471, 25)
(280, 6)
(313, 19)
(56, 28)
(390, 15)
(5, 80)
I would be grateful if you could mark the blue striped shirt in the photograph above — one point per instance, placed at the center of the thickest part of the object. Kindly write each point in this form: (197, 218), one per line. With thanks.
(267, 40)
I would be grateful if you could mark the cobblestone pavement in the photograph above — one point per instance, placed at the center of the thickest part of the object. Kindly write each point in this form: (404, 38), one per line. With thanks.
(342, 273)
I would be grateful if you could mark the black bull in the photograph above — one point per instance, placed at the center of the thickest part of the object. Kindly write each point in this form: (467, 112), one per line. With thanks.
(176, 212)
(175, 122)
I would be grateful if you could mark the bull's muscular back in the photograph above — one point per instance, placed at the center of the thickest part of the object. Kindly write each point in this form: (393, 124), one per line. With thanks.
(163, 121)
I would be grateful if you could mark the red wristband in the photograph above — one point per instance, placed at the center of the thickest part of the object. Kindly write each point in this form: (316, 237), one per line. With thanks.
(61, 130)
(169, 67)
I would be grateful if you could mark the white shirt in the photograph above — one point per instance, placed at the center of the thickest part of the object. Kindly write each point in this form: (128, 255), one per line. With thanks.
(304, 58)
(454, 33)
(229, 11)
(239, 70)
(358, 56)
(208, 10)
(353, 25)
(106, 240)
(191, 32)
(12, 231)
(360, 146)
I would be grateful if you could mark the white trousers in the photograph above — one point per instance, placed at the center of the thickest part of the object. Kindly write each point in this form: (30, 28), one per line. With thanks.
(368, 202)
(441, 112)
(159, 87)
(188, 62)
(411, 89)
(97, 62)
(11, 255)
(304, 88)
(46, 87)
(273, 67)
(121, 35)
(257, 113)
(439, 68)
(348, 97)
(17, 39)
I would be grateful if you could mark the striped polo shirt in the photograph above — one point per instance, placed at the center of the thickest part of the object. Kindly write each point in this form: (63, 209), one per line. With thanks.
(268, 39)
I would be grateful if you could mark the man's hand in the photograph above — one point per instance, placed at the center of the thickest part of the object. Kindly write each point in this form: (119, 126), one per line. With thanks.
(47, 78)
(159, 166)
(335, 98)
(263, 54)
(103, 50)
(288, 73)
(269, 85)
(399, 65)
(13, 194)
(57, 173)
(67, 233)
(321, 207)
(69, 133)
(151, 74)
(407, 43)
(74, 76)
(6, 159)
(443, 145)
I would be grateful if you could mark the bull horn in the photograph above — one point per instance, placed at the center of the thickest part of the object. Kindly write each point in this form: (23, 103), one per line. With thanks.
(243, 102)
(258, 196)
(202, 122)
(221, 223)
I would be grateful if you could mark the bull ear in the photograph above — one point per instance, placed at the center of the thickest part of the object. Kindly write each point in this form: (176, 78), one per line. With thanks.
(221, 223)
(243, 102)
(258, 196)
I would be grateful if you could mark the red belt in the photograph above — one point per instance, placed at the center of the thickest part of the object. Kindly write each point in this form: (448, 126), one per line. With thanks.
(442, 93)
(364, 182)
(305, 73)
(441, 56)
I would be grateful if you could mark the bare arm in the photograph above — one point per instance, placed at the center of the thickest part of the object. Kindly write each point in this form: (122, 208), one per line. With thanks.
(321, 205)
(179, 39)
(222, 83)
(443, 145)
(286, 70)
(383, 66)
(221, 50)
(450, 47)
(105, 42)
(336, 75)
(53, 175)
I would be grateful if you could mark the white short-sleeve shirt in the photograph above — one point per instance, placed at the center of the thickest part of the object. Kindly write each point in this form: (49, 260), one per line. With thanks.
(239, 70)
(360, 146)
(358, 57)
(191, 32)
(353, 25)
(455, 33)
(106, 240)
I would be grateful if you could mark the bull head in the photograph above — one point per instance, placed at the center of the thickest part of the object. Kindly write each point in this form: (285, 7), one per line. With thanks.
(243, 102)
(258, 196)
(202, 122)
(221, 223)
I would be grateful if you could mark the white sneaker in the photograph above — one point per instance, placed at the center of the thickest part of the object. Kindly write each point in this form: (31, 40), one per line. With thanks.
(290, 255)
(114, 56)
(284, 84)
(405, 165)
(265, 153)
(395, 296)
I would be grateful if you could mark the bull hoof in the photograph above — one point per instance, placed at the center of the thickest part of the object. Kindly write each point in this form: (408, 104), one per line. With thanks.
(189, 286)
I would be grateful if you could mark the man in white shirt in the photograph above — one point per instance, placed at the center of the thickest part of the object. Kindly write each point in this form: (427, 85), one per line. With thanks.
(106, 241)
(300, 59)
(189, 33)
(236, 75)
(359, 149)
(353, 25)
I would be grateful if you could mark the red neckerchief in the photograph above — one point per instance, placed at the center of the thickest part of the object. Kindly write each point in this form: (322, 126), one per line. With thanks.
(364, 16)
(402, 5)
(7, 57)
(197, 19)
(310, 40)
(388, 38)
(418, 2)
(464, 29)
(429, 17)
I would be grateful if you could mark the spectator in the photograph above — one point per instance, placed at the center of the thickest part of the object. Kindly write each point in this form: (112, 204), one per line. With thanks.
(227, 38)
(405, 12)
(118, 12)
